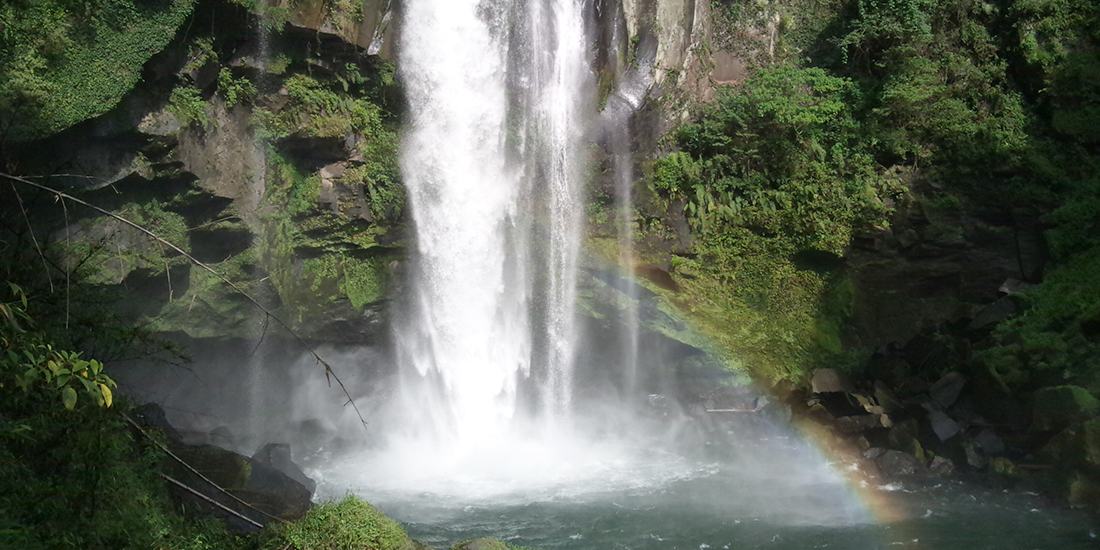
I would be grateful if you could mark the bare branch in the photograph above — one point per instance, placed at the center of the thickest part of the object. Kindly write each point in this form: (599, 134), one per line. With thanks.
(193, 470)
(217, 504)
(34, 239)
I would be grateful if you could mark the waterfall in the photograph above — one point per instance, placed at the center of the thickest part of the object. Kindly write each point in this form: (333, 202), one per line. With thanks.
(491, 162)
(555, 78)
(634, 81)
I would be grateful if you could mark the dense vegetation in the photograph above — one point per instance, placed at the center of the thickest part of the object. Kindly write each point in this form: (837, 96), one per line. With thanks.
(866, 101)
(64, 61)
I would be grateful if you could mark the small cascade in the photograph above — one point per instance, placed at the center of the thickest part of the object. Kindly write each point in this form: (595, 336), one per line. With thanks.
(634, 82)
(257, 386)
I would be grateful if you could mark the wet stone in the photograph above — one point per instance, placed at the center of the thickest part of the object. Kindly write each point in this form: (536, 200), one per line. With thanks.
(942, 466)
(990, 443)
(946, 390)
(943, 425)
(829, 381)
(896, 463)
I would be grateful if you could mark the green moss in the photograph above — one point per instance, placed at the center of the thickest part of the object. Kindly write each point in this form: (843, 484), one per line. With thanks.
(235, 90)
(742, 299)
(481, 544)
(321, 109)
(361, 281)
(63, 62)
(1057, 333)
(187, 104)
(106, 250)
(744, 294)
(350, 524)
(364, 282)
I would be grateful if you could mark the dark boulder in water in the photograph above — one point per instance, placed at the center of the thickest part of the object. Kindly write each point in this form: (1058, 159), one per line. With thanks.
(896, 463)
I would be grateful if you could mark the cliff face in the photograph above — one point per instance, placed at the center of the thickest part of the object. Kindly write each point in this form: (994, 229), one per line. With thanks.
(228, 136)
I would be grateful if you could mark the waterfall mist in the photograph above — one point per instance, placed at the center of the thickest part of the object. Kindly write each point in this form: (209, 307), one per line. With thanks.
(495, 390)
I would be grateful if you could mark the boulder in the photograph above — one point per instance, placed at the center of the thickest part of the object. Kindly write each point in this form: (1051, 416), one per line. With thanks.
(974, 456)
(858, 423)
(261, 486)
(946, 390)
(886, 398)
(1076, 446)
(1084, 490)
(150, 415)
(903, 436)
(994, 313)
(1015, 286)
(990, 443)
(1057, 407)
(830, 381)
(1004, 467)
(277, 456)
(874, 452)
(943, 425)
(896, 463)
(942, 466)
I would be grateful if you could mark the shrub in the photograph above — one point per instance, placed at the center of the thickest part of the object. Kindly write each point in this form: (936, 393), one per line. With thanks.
(350, 524)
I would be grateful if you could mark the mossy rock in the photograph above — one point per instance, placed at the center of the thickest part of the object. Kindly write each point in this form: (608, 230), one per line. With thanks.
(227, 469)
(1005, 468)
(1076, 446)
(350, 524)
(481, 544)
(1060, 406)
(1084, 490)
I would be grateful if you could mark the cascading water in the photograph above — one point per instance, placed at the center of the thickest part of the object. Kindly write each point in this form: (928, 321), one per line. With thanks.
(634, 82)
(469, 328)
(558, 73)
(479, 165)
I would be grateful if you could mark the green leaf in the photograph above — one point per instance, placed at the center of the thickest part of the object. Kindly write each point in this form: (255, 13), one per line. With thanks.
(62, 380)
(68, 397)
(108, 397)
(88, 384)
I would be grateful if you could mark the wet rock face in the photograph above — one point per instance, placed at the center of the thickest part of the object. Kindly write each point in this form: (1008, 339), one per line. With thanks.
(277, 456)
(369, 24)
(937, 266)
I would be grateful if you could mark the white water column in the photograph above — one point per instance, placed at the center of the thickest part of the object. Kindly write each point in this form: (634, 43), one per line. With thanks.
(491, 150)
(559, 75)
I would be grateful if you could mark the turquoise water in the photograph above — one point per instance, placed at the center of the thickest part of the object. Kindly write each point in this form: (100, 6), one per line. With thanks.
(696, 514)
(774, 491)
